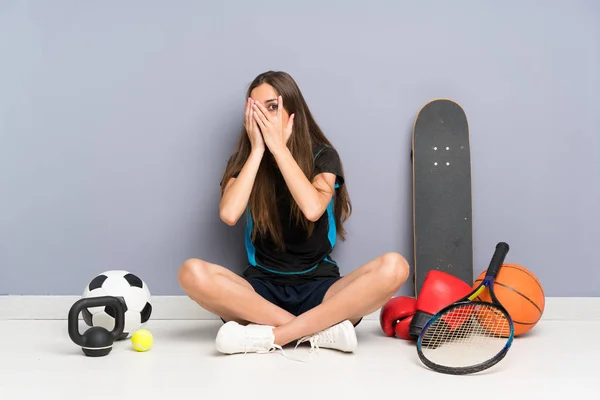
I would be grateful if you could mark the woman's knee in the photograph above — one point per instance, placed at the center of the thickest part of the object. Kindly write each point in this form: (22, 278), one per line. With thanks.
(193, 273)
(394, 269)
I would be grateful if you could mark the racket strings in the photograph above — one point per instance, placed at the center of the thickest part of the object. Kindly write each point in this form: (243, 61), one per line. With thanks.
(466, 335)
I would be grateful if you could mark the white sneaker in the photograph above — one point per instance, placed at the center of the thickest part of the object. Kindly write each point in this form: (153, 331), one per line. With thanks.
(234, 338)
(338, 337)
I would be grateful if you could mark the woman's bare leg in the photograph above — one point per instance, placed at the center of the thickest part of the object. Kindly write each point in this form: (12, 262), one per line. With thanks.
(348, 279)
(222, 292)
(357, 294)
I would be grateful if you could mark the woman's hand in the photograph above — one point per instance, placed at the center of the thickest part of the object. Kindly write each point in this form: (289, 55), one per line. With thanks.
(256, 139)
(274, 133)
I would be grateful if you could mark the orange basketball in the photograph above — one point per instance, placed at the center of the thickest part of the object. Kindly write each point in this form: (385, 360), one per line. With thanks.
(520, 292)
(493, 322)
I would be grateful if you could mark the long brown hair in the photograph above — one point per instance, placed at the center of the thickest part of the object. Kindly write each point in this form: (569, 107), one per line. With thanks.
(305, 138)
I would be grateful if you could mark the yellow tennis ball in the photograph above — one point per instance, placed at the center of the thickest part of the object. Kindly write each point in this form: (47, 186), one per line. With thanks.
(141, 340)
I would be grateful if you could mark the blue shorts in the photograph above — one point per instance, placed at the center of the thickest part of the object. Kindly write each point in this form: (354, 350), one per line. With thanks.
(295, 299)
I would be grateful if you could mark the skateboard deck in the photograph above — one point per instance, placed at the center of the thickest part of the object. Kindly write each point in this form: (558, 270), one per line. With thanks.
(442, 203)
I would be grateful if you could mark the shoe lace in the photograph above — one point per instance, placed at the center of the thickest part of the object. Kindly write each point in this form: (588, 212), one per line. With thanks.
(260, 347)
(325, 336)
(277, 347)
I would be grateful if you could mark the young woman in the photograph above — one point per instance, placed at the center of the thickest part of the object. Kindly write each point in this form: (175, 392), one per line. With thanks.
(288, 179)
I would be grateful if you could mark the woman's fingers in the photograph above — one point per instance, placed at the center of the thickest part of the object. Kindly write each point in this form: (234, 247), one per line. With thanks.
(260, 116)
(261, 125)
(247, 118)
(253, 121)
(263, 111)
(279, 106)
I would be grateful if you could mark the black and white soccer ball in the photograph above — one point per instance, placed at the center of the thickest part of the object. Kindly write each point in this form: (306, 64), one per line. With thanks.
(135, 297)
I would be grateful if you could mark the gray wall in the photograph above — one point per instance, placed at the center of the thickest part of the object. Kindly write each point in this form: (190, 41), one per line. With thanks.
(116, 121)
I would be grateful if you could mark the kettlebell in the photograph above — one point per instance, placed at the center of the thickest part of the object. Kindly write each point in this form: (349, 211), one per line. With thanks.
(96, 341)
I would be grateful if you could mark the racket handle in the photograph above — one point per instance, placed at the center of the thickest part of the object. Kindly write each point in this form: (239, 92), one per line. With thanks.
(497, 260)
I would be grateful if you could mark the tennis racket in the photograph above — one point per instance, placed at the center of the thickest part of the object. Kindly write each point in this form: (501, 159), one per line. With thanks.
(469, 335)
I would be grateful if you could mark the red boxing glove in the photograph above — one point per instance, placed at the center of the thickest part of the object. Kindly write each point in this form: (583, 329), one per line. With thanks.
(396, 315)
(439, 290)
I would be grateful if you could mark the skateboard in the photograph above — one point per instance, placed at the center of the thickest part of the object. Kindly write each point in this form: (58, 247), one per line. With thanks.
(442, 203)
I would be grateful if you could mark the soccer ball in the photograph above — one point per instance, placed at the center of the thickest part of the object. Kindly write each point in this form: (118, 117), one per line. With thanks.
(135, 297)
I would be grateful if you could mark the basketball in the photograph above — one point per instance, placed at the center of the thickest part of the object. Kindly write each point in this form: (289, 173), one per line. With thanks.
(520, 292)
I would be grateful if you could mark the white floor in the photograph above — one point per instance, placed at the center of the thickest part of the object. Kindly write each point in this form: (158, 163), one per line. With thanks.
(38, 362)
